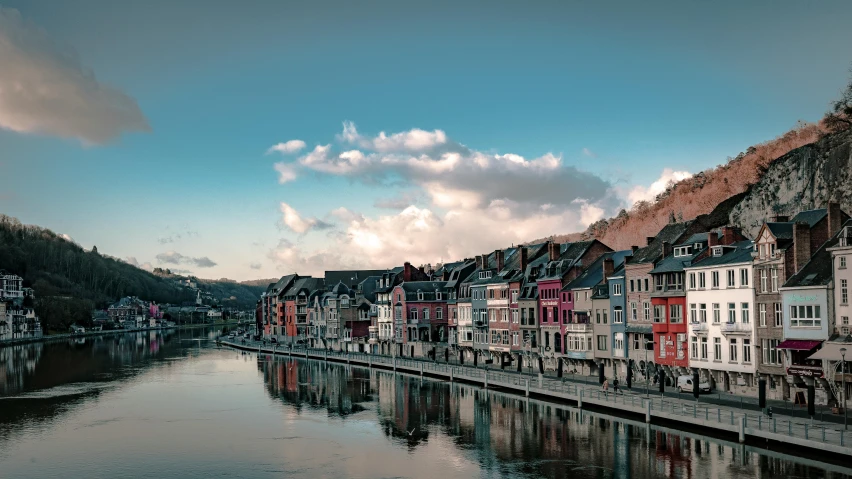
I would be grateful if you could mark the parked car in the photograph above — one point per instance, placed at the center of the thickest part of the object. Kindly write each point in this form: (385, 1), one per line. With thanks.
(684, 384)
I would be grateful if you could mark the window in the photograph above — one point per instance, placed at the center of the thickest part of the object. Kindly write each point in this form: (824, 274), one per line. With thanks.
(515, 314)
(844, 291)
(631, 286)
(602, 340)
(764, 283)
(659, 313)
(425, 314)
(714, 278)
(844, 322)
(743, 277)
(702, 312)
(731, 278)
(717, 251)
(732, 350)
(413, 314)
(504, 315)
(770, 352)
(762, 314)
(717, 313)
(564, 316)
(439, 313)
(717, 349)
(704, 349)
(646, 284)
(774, 280)
(779, 315)
(693, 313)
(732, 312)
(419, 296)
(633, 314)
(637, 341)
(514, 296)
(605, 314)
(747, 351)
(693, 350)
(598, 316)
(744, 313)
(515, 336)
(805, 316)
(616, 289)
(843, 262)
(557, 342)
(701, 281)
(692, 283)
(647, 306)
(619, 342)
(617, 315)
(676, 313)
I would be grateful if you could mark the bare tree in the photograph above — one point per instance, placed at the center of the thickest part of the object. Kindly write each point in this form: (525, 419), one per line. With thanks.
(840, 116)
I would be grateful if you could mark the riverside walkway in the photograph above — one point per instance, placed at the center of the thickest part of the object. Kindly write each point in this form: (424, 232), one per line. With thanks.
(817, 436)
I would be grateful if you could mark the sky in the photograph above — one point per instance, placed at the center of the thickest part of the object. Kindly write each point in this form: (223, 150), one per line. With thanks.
(259, 138)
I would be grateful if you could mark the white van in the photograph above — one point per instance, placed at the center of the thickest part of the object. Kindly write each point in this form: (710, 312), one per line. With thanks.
(684, 384)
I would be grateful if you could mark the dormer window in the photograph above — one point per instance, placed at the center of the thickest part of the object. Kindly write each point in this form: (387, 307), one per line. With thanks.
(681, 251)
(484, 274)
(697, 246)
(717, 251)
(419, 295)
(438, 296)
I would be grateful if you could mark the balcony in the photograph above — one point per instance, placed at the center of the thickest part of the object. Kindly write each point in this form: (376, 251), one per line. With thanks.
(736, 328)
(480, 323)
(698, 327)
(578, 328)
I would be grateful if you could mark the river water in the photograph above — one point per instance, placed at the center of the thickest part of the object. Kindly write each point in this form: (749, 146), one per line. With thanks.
(173, 404)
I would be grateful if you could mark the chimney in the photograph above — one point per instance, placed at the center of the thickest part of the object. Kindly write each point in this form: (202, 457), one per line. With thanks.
(712, 239)
(801, 245)
(478, 262)
(666, 249)
(553, 251)
(608, 267)
(499, 258)
(649, 240)
(780, 219)
(524, 259)
(833, 218)
(406, 271)
(729, 235)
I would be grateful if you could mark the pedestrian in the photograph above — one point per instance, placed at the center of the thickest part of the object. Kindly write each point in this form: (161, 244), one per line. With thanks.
(606, 385)
(615, 386)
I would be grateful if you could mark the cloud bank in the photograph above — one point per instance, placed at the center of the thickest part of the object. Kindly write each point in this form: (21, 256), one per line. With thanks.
(45, 89)
(173, 257)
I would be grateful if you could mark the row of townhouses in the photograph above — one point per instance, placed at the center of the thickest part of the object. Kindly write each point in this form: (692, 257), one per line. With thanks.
(773, 310)
(17, 316)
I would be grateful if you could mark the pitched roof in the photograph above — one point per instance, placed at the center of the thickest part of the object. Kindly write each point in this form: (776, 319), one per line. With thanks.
(367, 288)
(781, 230)
(593, 275)
(819, 270)
(670, 234)
(570, 254)
(811, 217)
(732, 254)
(351, 277)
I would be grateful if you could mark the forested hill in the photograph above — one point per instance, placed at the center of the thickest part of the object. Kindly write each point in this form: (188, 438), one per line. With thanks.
(71, 282)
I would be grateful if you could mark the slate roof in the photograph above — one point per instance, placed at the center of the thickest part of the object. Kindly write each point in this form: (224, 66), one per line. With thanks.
(367, 288)
(600, 291)
(696, 238)
(459, 273)
(811, 217)
(819, 270)
(569, 256)
(781, 230)
(351, 277)
(428, 288)
(593, 275)
(733, 254)
(670, 233)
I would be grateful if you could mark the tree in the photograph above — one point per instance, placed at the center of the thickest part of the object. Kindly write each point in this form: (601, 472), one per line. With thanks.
(840, 116)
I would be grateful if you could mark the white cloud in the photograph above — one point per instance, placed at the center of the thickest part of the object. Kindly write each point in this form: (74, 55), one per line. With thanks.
(286, 172)
(67, 238)
(293, 220)
(173, 257)
(412, 141)
(589, 153)
(642, 193)
(288, 147)
(421, 235)
(255, 266)
(45, 89)
(132, 260)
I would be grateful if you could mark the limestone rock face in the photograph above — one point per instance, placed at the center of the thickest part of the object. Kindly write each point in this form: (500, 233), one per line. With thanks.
(803, 179)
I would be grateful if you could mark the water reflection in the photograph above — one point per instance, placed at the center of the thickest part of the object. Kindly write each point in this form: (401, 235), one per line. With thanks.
(513, 437)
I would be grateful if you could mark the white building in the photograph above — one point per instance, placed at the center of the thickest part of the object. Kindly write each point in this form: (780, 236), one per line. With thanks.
(841, 257)
(722, 340)
(11, 286)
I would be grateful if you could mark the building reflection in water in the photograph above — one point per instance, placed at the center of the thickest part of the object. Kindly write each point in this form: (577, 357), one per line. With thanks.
(511, 435)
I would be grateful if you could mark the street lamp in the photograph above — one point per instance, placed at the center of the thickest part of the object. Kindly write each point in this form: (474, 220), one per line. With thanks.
(843, 382)
(647, 375)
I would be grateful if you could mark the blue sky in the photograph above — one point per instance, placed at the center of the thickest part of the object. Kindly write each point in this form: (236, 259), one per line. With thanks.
(594, 99)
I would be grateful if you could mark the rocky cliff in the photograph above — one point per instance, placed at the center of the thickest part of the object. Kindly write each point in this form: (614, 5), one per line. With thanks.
(805, 178)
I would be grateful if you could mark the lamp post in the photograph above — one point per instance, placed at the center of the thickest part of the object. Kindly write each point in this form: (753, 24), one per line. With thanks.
(843, 382)
(647, 386)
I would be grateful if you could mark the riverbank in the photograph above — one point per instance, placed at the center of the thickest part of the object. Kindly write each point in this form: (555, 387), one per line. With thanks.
(804, 438)
(67, 336)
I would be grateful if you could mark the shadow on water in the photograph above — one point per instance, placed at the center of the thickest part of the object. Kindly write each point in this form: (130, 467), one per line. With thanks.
(516, 436)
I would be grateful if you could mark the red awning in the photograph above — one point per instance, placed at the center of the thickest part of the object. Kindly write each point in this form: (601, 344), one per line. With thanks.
(799, 344)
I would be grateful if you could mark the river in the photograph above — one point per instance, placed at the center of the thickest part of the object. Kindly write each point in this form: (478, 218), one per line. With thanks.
(173, 404)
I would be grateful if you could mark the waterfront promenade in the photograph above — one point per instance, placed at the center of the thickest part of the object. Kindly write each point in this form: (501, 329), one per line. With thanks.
(809, 437)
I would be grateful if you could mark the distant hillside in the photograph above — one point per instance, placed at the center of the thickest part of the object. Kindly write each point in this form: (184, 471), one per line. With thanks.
(715, 192)
(71, 282)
